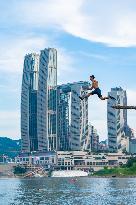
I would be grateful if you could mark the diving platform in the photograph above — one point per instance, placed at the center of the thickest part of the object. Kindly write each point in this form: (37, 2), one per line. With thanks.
(124, 107)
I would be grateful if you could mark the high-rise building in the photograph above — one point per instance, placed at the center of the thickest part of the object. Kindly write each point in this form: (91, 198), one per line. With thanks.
(72, 117)
(47, 100)
(116, 119)
(39, 102)
(94, 139)
(63, 124)
(29, 103)
(132, 146)
(127, 129)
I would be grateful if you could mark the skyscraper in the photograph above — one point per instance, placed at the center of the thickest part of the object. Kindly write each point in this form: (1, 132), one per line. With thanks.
(116, 119)
(29, 103)
(94, 139)
(63, 118)
(72, 117)
(127, 129)
(39, 101)
(47, 99)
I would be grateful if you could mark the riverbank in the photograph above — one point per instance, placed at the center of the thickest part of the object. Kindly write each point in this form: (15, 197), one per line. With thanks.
(90, 176)
(119, 172)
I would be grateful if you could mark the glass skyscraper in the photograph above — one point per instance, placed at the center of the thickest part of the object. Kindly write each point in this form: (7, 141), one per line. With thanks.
(72, 117)
(48, 99)
(29, 103)
(116, 119)
(39, 101)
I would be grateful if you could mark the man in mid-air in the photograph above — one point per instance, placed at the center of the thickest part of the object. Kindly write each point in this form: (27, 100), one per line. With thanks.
(96, 90)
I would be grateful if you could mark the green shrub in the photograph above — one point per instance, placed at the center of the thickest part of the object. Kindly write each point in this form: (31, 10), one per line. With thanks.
(130, 162)
(19, 170)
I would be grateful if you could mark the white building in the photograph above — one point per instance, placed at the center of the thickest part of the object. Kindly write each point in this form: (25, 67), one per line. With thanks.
(47, 100)
(72, 160)
(132, 146)
(46, 159)
(39, 102)
(94, 139)
(72, 117)
(79, 160)
(116, 119)
(29, 95)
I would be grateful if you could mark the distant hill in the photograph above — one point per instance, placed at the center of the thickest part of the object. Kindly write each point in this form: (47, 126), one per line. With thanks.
(9, 147)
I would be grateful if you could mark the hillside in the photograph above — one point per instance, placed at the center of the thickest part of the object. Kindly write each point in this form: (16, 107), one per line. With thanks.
(9, 147)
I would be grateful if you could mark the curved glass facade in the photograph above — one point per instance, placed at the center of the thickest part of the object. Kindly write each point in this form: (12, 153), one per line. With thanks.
(29, 103)
(116, 119)
(72, 117)
(47, 100)
(39, 101)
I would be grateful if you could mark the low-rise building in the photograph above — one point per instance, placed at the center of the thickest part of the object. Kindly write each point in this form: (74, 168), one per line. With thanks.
(132, 146)
(79, 160)
(73, 160)
(45, 159)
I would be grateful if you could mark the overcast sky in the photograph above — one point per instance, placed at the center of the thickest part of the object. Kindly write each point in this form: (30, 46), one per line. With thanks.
(91, 37)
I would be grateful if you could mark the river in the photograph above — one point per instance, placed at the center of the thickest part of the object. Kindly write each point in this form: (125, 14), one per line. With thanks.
(65, 191)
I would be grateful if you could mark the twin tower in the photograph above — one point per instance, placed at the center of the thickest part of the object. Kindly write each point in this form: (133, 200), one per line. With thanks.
(39, 101)
(52, 117)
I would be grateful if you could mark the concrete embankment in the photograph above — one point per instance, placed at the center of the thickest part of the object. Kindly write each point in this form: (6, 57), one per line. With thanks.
(7, 169)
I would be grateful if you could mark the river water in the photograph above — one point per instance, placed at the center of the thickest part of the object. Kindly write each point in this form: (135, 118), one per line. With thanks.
(65, 191)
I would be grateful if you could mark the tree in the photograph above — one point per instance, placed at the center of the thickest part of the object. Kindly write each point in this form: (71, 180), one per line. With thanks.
(19, 170)
(130, 162)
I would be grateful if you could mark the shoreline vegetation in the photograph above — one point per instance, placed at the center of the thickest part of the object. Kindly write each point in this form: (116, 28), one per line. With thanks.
(128, 170)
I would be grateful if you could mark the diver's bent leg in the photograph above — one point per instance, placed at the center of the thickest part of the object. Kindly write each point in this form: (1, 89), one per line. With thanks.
(89, 94)
(85, 96)
(104, 98)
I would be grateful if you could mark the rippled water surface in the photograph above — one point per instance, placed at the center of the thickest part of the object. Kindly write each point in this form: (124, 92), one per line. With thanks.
(64, 191)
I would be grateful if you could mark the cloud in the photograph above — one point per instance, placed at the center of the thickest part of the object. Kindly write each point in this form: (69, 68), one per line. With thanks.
(12, 58)
(95, 56)
(13, 52)
(109, 22)
(66, 65)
